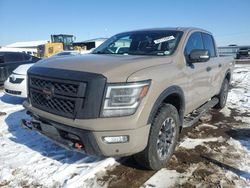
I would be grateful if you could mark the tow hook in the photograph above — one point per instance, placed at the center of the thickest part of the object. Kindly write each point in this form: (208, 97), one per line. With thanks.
(26, 124)
(29, 124)
(52, 133)
(78, 145)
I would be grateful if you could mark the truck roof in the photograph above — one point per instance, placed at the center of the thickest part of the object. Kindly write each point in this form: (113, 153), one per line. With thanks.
(184, 29)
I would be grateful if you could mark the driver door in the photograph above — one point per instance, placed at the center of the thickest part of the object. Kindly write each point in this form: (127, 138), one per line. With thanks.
(197, 74)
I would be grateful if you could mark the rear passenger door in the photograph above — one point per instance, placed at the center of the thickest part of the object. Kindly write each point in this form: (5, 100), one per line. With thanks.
(197, 73)
(214, 65)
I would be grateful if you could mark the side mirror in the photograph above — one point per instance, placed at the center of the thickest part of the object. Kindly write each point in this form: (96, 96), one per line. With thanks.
(197, 56)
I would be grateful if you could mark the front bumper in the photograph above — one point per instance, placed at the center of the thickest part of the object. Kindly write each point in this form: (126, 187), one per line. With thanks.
(89, 141)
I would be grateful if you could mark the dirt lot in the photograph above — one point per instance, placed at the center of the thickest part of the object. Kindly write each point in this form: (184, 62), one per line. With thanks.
(203, 165)
(213, 153)
(208, 154)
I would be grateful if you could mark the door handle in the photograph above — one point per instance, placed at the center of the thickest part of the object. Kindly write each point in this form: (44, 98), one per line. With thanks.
(209, 69)
(220, 65)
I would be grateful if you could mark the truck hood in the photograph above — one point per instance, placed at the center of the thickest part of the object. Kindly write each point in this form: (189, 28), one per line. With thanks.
(22, 69)
(116, 68)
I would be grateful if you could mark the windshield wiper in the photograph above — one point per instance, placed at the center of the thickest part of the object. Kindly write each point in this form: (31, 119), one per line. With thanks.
(98, 52)
(101, 52)
(135, 53)
(141, 53)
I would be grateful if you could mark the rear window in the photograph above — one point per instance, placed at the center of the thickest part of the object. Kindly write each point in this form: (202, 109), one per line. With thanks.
(243, 49)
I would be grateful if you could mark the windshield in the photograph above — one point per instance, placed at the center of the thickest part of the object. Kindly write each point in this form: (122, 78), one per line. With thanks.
(141, 43)
(67, 40)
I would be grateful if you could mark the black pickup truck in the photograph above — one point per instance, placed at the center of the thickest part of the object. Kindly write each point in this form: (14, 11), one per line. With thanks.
(243, 53)
(11, 60)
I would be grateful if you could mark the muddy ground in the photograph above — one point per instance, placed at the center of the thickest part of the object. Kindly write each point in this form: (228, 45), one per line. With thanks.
(206, 173)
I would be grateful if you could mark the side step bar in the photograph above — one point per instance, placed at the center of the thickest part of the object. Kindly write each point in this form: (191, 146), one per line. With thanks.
(194, 117)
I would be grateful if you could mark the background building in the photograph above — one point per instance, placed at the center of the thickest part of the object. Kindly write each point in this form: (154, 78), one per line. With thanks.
(29, 47)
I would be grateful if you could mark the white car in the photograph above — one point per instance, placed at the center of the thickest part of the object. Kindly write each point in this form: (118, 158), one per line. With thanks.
(16, 84)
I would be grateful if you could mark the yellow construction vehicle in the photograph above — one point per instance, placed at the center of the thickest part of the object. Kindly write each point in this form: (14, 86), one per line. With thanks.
(58, 43)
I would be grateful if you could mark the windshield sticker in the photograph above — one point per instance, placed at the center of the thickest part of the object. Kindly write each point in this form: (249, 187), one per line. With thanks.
(164, 39)
(167, 52)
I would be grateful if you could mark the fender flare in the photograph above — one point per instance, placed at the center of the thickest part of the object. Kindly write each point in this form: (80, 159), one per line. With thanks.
(167, 92)
(225, 76)
(230, 74)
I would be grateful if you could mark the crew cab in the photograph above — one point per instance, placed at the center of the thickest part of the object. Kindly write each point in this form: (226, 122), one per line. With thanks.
(133, 101)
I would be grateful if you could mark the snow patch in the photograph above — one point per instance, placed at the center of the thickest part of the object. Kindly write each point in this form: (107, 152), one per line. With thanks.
(163, 178)
(207, 125)
(226, 112)
(190, 143)
(29, 159)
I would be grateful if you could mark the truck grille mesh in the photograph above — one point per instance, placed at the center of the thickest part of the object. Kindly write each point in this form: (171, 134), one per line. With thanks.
(65, 88)
(56, 104)
(57, 96)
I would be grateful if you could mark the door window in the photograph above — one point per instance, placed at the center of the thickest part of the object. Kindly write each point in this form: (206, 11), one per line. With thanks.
(209, 44)
(194, 43)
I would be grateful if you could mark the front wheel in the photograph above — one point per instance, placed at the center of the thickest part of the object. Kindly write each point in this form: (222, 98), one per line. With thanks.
(223, 95)
(162, 139)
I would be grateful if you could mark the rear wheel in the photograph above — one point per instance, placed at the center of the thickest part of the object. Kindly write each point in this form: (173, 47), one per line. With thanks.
(223, 95)
(162, 139)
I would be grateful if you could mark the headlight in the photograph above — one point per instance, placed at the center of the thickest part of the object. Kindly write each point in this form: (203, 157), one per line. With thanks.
(123, 99)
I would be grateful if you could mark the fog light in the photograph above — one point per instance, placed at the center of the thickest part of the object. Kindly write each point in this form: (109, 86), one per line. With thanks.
(115, 139)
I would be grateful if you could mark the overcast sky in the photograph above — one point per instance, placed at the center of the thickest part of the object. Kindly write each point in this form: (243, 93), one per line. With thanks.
(26, 20)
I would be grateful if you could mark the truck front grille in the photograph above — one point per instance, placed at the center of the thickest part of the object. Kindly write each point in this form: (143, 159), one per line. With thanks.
(54, 103)
(67, 93)
(59, 87)
(57, 96)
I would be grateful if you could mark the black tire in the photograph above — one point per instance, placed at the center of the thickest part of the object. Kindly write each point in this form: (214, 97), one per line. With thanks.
(223, 95)
(161, 146)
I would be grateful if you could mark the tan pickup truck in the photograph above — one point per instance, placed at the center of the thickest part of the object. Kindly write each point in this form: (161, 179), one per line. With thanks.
(132, 95)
